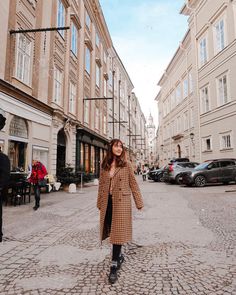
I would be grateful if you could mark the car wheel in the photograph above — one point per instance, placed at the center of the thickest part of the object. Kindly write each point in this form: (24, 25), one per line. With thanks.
(177, 179)
(200, 181)
(160, 178)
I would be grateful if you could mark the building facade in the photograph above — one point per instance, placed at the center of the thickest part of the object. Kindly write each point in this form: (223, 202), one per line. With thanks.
(63, 90)
(199, 124)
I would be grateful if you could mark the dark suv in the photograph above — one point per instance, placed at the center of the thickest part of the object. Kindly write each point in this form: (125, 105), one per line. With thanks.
(212, 171)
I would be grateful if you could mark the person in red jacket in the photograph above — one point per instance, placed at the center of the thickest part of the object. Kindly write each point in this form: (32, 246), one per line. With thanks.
(37, 176)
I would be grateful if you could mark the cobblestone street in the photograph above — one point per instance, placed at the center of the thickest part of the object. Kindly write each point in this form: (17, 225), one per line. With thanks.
(184, 243)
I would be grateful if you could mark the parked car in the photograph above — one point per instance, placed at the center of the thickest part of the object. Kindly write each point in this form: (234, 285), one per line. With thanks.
(156, 175)
(212, 171)
(173, 171)
(174, 160)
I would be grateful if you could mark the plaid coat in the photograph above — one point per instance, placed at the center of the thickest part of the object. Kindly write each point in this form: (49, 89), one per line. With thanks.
(123, 183)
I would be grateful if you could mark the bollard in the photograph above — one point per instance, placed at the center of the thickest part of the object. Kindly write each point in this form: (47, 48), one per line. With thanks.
(81, 184)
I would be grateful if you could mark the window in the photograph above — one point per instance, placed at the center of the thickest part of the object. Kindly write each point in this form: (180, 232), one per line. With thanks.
(206, 141)
(191, 117)
(225, 141)
(86, 111)
(190, 81)
(219, 35)
(97, 118)
(87, 59)
(97, 75)
(185, 120)
(110, 78)
(222, 90)
(41, 153)
(178, 94)
(23, 58)
(87, 20)
(74, 38)
(104, 57)
(97, 40)
(104, 123)
(203, 51)
(72, 97)
(204, 94)
(60, 17)
(105, 87)
(57, 86)
(185, 87)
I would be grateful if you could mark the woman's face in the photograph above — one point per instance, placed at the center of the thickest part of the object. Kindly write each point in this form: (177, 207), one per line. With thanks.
(117, 149)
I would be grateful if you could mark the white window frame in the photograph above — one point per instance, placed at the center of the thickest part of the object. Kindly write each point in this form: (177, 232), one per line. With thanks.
(57, 94)
(61, 13)
(86, 111)
(205, 99)
(87, 20)
(97, 118)
(219, 33)
(222, 89)
(23, 59)
(74, 39)
(203, 51)
(190, 82)
(72, 97)
(97, 40)
(104, 123)
(226, 140)
(87, 60)
(104, 87)
(178, 94)
(185, 87)
(98, 71)
(205, 145)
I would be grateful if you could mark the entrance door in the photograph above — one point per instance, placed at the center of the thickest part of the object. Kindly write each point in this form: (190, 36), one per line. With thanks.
(17, 153)
(61, 150)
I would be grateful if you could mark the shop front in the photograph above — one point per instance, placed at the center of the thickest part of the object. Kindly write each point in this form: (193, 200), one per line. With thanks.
(90, 151)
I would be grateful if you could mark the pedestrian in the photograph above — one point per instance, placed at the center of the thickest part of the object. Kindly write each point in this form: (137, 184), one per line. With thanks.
(116, 183)
(4, 179)
(37, 179)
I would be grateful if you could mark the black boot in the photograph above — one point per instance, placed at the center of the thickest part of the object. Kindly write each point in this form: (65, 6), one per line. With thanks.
(113, 272)
(120, 261)
(36, 206)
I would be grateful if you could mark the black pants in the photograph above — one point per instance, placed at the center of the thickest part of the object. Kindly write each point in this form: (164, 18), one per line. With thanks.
(116, 249)
(1, 197)
(37, 194)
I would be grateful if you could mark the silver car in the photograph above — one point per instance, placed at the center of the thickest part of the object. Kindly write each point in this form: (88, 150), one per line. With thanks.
(173, 171)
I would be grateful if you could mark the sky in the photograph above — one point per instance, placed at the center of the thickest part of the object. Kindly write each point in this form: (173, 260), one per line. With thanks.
(146, 35)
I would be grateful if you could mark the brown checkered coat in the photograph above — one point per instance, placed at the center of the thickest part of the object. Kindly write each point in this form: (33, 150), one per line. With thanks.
(123, 183)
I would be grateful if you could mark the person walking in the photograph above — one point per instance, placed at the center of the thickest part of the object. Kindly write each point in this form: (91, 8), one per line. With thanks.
(4, 179)
(116, 183)
(4, 171)
(37, 179)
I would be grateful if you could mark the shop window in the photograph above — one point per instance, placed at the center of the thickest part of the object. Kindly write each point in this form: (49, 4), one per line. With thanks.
(41, 153)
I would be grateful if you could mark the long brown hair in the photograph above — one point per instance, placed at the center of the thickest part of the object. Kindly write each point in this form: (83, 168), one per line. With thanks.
(120, 161)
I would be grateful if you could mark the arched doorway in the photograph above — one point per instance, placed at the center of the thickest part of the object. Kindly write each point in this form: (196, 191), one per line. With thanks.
(61, 150)
(18, 139)
(179, 151)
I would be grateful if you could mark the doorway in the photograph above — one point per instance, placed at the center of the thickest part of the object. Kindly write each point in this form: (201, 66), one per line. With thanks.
(61, 150)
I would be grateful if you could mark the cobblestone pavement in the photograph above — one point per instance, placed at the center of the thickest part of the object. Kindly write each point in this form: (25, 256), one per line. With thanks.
(184, 243)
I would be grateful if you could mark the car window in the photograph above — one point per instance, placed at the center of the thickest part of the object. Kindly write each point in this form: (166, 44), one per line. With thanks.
(202, 166)
(227, 163)
(191, 165)
(214, 165)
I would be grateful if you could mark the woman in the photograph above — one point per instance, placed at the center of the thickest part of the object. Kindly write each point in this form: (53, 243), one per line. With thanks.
(116, 183)
(38, 173)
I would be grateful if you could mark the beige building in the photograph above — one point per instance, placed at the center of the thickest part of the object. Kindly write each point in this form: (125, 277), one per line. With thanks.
(204, 69)
(50, 82)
